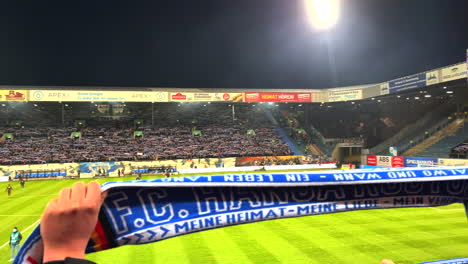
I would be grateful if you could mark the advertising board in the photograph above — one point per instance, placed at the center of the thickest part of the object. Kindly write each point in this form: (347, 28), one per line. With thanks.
(278, 97)
(384, 88)
(453, 162)
(432, 77)
(420, 162)
(408, 82)
(385, 161)
(205, 97)
(344, 95)
(454, 72)
(13, 95)
(97, 96)
(372, 160)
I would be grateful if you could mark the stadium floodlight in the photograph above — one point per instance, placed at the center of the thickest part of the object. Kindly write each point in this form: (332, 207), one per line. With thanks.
(427, 96)
(450, 92)
(323, 13)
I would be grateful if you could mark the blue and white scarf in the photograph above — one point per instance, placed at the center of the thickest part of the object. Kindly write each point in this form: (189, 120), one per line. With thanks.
(139, 212)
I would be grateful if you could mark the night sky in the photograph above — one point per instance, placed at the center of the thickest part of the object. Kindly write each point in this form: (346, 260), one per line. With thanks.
(224, 43)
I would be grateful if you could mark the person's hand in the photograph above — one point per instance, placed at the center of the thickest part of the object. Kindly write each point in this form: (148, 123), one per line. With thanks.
(69, 220)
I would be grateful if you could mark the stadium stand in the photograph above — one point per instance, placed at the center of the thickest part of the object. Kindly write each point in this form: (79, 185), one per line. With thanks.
(373, 121)
(443, 147)
(460, 151)
(173, 137)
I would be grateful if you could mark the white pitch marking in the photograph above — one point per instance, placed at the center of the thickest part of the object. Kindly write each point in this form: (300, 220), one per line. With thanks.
(457, 209)
(20, 215)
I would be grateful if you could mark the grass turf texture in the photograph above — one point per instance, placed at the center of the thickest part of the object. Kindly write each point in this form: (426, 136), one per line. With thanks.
(408, 235)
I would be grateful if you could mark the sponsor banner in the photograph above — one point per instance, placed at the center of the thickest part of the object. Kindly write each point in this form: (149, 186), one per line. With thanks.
(432, 77)
(384, 90)
(344, 95)
(278, 97)
(453, 162)
(97, 96)
(420, 162)
(141, 212)
(408, 82)
(398, 162)
(13, 95)
(384, 161)
(454, 72)
(372, 160)
(320, 96)
(205, 97)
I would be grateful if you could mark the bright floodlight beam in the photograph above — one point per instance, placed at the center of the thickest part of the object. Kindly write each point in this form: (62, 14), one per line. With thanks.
(323, 14)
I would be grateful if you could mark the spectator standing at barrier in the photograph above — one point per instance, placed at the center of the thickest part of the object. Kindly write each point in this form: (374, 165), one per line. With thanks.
(15, 239)
(22, 182)
(9, 188)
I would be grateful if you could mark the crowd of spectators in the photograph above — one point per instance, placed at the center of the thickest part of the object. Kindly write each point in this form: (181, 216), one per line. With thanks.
(55, 145)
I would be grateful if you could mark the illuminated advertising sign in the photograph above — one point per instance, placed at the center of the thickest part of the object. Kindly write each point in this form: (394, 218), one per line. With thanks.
(384, 90)
(97, 96)
(454, 72)
(432, 77)
(408, 82)
(278, 97)
(205, 97)
(13, 95)
(344, 95)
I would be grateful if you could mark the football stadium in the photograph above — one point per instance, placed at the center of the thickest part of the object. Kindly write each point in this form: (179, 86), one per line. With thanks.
(362, 173)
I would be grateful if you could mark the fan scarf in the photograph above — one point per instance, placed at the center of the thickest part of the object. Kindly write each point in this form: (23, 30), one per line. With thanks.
(139, 212)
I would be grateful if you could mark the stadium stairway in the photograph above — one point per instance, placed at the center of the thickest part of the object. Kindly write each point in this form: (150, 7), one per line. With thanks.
(439, 144)
(289, 141)
(326, 149)
(281, 131)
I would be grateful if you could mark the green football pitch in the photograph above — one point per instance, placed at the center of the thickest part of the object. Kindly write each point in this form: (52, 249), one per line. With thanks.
(409, 235)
